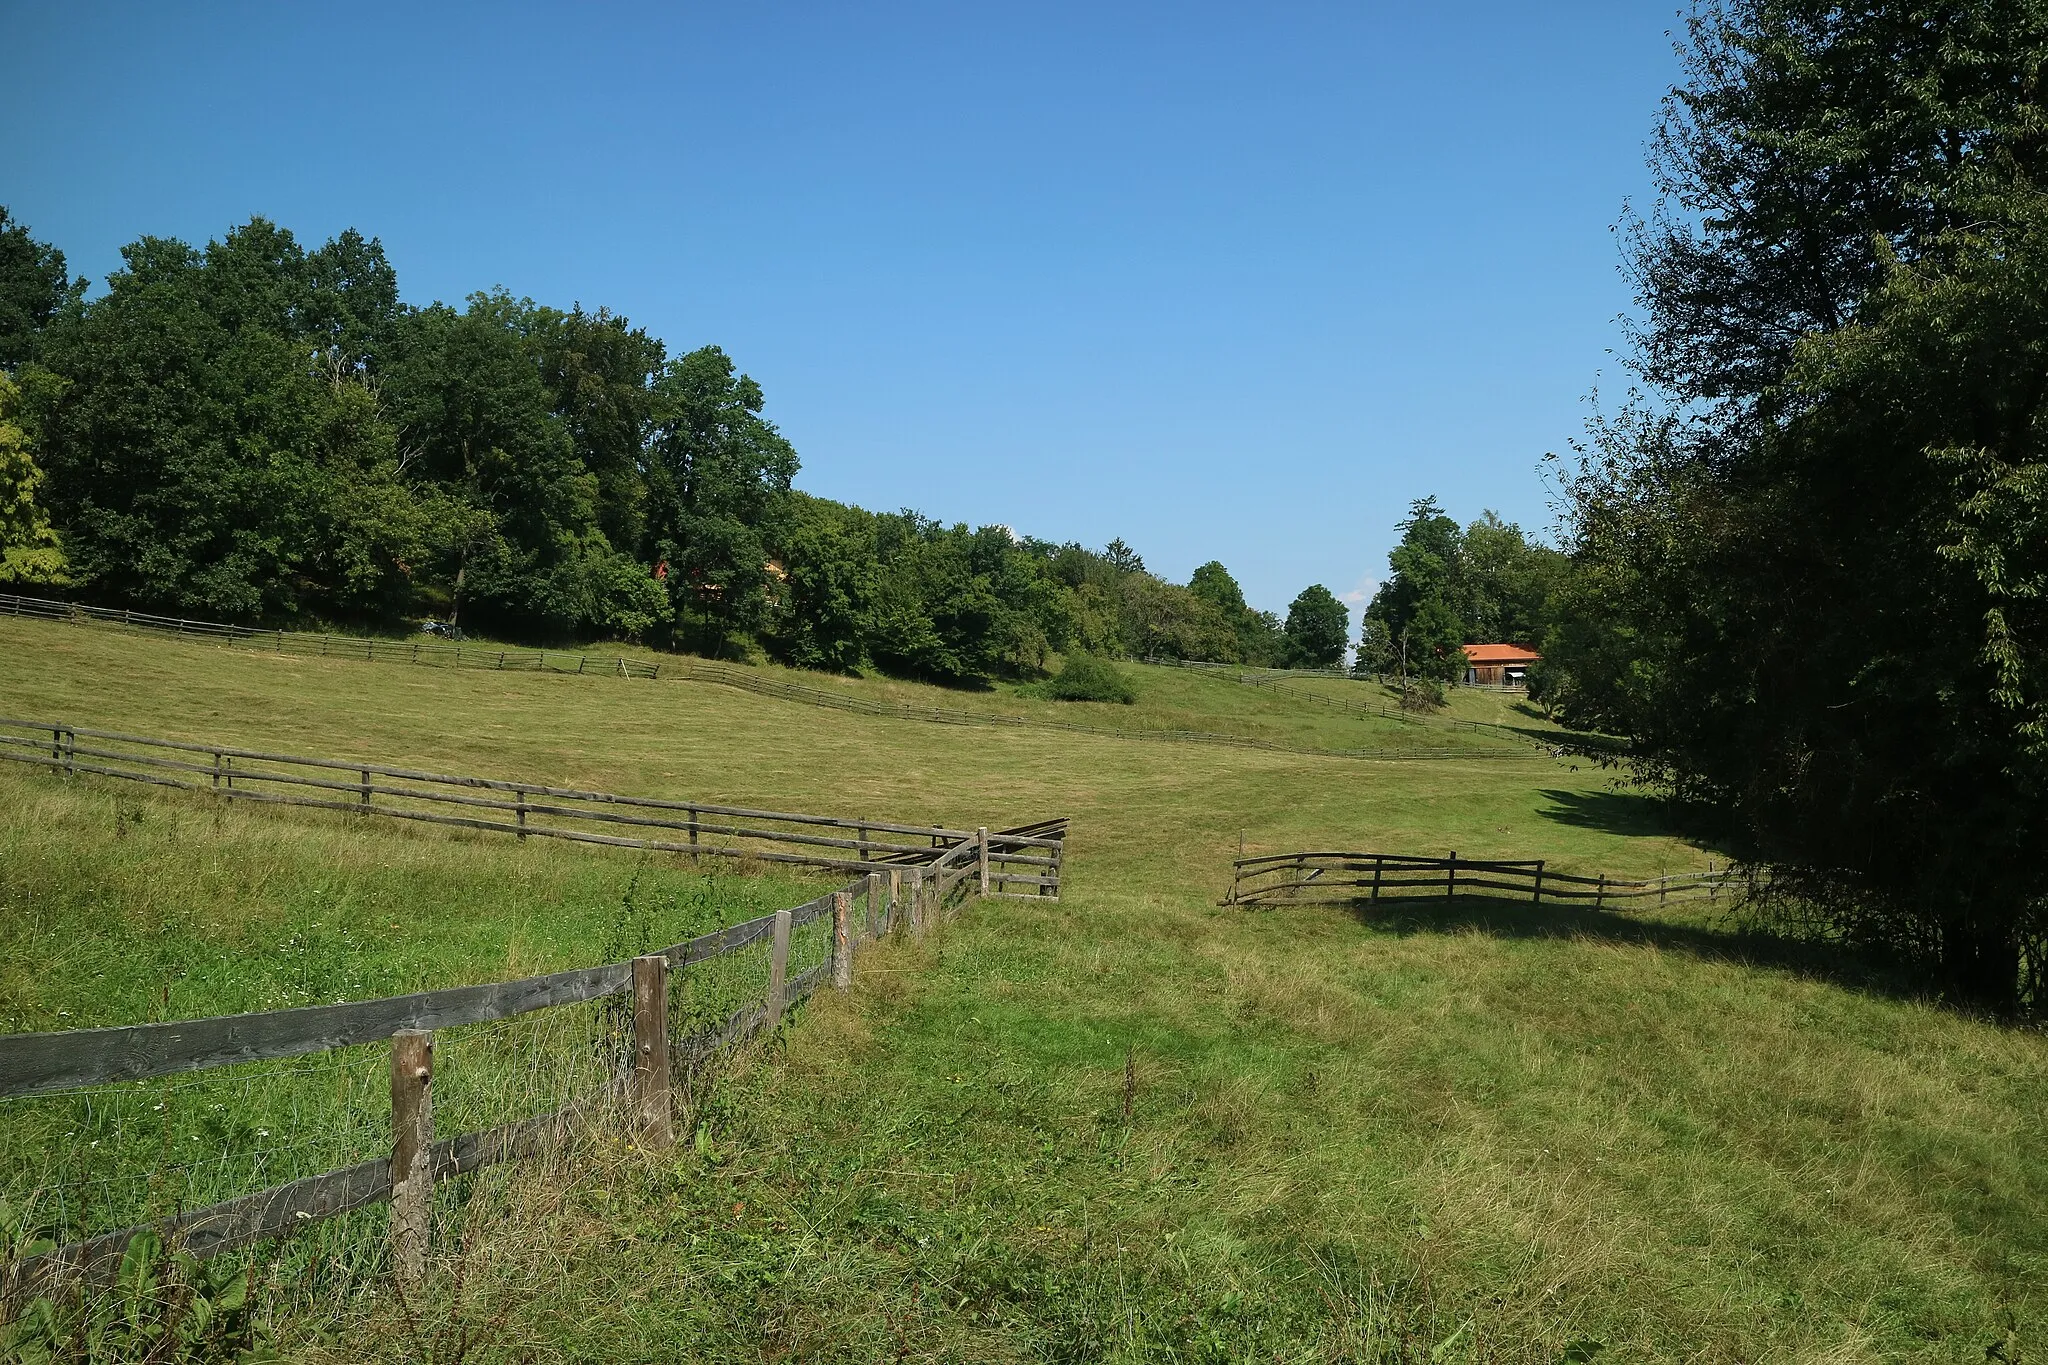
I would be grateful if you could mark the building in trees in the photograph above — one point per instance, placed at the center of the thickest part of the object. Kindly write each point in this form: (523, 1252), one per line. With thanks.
(1498, 665)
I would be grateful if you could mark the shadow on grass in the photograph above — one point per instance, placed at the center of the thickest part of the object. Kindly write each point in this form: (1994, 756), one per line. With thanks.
(1631, 813)
(1739, 944)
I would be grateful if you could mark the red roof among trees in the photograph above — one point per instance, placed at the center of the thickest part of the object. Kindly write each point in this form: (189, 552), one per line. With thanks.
(1500, 654)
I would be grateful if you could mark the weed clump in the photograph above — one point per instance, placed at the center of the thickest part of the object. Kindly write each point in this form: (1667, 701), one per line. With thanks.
(1087, 677)
(1425, 695)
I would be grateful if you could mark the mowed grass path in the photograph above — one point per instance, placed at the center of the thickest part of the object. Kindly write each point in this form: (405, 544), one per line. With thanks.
(1466, 1128)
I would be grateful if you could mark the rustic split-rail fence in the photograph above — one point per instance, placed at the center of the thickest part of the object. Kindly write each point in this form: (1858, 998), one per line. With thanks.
(1024, 860)
(1297, 878)
(911, 878)
(429, 653)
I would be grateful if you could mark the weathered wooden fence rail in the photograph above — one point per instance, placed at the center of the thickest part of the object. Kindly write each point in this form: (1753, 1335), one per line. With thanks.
(899, 900)
(1288, 878)
(1023, 861)
(669, 668)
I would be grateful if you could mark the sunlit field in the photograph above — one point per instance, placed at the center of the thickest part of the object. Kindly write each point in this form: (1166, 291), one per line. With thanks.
(1131, 1124)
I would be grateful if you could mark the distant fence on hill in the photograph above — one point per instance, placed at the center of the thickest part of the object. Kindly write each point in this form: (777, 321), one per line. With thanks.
(1258, 675)
(1028, 856)
(678, 668)
(1297, 878)
(1291, 680)
(634, 1059)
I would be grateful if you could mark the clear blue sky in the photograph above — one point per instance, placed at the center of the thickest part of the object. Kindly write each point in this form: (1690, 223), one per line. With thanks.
(1232, 282)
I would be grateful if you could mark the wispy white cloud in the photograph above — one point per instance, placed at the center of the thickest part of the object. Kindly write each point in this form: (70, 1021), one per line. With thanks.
(1362, 594)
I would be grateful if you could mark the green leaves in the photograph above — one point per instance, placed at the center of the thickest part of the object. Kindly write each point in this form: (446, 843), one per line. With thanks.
(1318, 628)
(1811, 588)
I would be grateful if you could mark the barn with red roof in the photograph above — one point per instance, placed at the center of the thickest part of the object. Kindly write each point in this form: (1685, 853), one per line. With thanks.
(1498, 665)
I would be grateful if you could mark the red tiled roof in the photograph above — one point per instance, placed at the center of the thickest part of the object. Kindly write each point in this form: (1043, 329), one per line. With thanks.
(1500, 654)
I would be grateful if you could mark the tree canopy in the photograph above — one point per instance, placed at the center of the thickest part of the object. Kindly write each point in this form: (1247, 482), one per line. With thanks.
(34, 286)
(1318, 629)
(1809, 564)
(261, 431)
(1450, 586)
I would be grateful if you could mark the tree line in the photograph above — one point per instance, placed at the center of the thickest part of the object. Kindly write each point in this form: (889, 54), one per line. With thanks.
(259, 432)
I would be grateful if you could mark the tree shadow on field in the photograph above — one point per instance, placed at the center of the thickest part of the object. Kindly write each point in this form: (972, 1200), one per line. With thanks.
(1737, 943)
(1627, 813)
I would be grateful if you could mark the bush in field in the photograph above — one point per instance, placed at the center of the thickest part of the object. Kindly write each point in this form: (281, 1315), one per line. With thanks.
(1087, 677)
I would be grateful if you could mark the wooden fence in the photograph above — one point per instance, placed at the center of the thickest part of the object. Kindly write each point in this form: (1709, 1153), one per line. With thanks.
(1291, 680)
(908, 900)
(669, 668)
(1023, 861)
(1290, 878)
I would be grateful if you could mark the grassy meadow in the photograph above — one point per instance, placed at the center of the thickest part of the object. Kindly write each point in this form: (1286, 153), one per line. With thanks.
(1129, 1125)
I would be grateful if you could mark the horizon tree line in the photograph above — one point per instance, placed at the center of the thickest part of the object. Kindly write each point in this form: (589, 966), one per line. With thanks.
(265, 433)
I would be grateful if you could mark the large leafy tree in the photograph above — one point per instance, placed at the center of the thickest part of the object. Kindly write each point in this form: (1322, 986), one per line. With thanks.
(1507, 581)
(600, 371)
(478, 421)
(1318, 628)
(1414, 623)
(1809, 587)
(208, 450)
(28, 546)
(1259, 638)
(34, 286)
(1809, 145)
(718, 474)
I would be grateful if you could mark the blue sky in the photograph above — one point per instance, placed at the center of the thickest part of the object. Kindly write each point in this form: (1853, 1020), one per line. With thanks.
(1231, 282)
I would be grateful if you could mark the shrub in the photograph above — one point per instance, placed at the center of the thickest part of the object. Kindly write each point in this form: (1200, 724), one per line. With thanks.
(1087, 677)
(1422, 694)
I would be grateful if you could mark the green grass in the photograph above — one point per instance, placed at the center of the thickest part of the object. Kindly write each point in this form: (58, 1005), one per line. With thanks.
(1170, 701)
(1459, 1129)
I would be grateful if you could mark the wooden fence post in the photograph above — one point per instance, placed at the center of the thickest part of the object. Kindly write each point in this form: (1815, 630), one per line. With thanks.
(981, 839)
(893, 917)
(778, 969)
(522, 815)
(366, 789)
(1601, 899)
(842, 942)
(1536, 896)
(916, 902)
(875, 906)
(693, 833)
(1378, 865)
(412, 1141)
(650, 1050)
(1663, 885)
(1451, 881)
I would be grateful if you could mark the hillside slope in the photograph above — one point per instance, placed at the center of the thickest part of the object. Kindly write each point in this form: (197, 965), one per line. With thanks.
(1468, 1128)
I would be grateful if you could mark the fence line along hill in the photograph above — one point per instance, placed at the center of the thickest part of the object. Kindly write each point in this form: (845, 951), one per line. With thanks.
(634, 1035)
(1515, 744)
(1027, 856)
(648, 1065)
(1301, 878)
